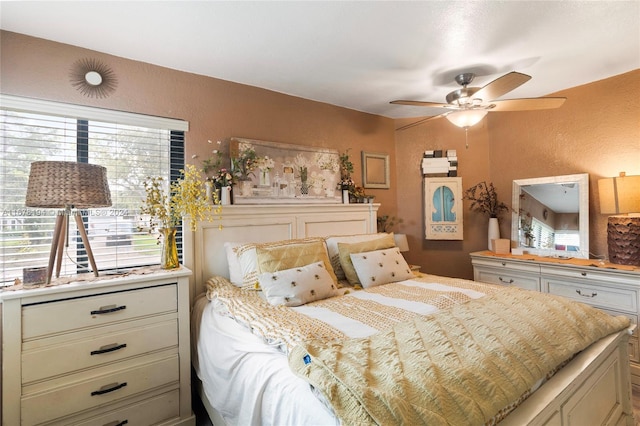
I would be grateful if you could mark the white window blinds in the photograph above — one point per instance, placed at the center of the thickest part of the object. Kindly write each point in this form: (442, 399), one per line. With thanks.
(543, 234)
(130, 146)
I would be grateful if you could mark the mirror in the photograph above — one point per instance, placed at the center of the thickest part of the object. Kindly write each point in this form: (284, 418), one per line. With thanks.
(551, 215)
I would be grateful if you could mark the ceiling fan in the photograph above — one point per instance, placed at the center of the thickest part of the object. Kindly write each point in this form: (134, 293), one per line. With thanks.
(469, 105)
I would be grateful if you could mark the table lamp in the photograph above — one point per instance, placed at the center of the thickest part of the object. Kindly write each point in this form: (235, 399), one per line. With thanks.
(67, 185)
(401, 242)
(621, 195)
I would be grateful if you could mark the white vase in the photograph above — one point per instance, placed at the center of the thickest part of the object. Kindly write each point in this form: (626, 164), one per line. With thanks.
(225, 195)
(494, 230)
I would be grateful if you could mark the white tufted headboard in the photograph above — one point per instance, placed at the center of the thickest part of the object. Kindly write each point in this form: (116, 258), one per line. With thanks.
(204, 250)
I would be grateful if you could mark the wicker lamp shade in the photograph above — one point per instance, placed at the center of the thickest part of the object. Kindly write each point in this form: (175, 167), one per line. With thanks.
(60, 184)
(67, 185)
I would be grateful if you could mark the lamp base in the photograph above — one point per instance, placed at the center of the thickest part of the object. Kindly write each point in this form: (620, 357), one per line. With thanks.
(58, 242)
(623, 240)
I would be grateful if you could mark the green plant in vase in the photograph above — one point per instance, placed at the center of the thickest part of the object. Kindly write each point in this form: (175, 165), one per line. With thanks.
(243, 166)
(484, 199)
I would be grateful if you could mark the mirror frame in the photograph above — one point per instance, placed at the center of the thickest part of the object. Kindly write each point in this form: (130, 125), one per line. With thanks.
(582, 180)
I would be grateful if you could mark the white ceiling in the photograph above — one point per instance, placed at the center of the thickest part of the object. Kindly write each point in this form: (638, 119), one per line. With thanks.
(358, 55)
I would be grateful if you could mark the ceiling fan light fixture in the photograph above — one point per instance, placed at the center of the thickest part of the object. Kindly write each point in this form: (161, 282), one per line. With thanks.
(466, 118)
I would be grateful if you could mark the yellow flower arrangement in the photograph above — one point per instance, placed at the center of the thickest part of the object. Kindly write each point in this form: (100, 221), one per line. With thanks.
(186, 197)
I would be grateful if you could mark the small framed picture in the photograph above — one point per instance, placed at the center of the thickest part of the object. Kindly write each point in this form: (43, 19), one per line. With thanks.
(375, 170)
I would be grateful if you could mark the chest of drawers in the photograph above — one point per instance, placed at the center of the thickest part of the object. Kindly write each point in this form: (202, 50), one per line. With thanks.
(613, 288)
(107, 352)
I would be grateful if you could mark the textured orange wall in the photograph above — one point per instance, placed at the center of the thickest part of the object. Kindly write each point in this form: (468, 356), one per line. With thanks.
(440, 257)
(215, 109)
(596, 131)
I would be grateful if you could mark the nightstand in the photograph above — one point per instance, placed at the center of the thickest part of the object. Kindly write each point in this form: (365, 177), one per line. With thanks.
(107, 350)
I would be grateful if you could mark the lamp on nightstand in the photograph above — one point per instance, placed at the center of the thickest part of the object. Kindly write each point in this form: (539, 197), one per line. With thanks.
(401, 242)
(67, 185)
(403, 245)
(621, 195)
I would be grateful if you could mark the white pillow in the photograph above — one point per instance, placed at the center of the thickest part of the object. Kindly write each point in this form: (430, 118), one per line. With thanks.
(334, 254)
(380, 267)
(297, 286)
(248, 260)
(235, 272)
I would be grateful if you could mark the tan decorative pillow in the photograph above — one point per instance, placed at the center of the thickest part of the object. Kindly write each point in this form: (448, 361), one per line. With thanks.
(248, 258)
(346, 250)
(279, 258)
(334, 254)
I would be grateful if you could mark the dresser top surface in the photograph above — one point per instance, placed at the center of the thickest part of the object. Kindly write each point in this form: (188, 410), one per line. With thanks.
(571, 262)
(89, 281)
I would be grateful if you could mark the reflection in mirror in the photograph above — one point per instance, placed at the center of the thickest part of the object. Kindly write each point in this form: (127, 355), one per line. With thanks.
(551, 215)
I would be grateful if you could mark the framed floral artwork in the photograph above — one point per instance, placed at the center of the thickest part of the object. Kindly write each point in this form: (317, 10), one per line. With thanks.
(443, 208)
(281, 173)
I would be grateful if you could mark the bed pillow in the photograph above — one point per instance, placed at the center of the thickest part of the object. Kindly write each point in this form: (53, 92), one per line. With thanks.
(248, 257)
(248, 260)
(235, 271)
(345, 250)
(334, 254)
(381, 267)
(287, 256)
(298, 286)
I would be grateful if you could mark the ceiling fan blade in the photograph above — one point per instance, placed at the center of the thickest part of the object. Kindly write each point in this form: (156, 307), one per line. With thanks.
(527, 104)
(501, 86)
(421, 121)
(423, 104)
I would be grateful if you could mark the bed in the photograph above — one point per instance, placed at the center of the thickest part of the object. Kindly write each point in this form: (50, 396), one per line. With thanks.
(278, 364)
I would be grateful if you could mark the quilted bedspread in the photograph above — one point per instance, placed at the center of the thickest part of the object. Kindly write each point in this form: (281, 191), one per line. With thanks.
(461, 365)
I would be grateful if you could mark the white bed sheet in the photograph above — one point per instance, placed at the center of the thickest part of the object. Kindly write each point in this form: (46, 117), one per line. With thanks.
(249, 382)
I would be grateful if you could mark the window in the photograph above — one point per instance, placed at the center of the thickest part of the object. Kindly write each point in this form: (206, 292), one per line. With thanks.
(130, 146)
(543, 234)
(567, 240)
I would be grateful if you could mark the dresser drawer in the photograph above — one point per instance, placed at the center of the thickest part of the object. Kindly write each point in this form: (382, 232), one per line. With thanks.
(507, 265)
(98, 390)
(504, 277)
(618, 299)
(595, 276)
(108, 346)
(147, 412)
(70, 314)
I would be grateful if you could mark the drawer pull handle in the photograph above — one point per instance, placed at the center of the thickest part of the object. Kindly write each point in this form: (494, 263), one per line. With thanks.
(109, 348)
(504, 263)
(505, 281)
(117, 423)
(109, 388)
(108, 309)
(584, 274)
(593, 294)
